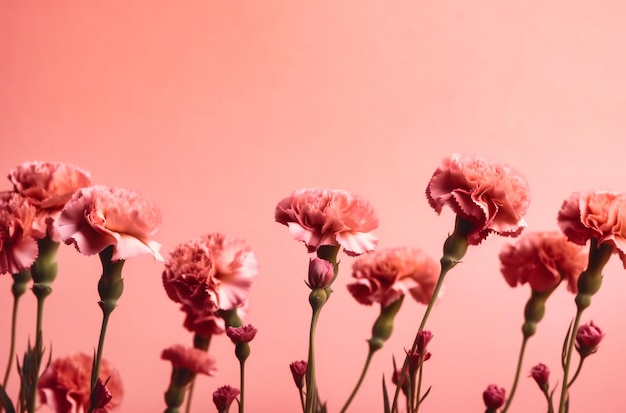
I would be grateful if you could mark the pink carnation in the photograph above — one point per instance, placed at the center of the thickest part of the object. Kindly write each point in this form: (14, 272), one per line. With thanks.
(243, 334)
(542, 259)
(98, 216)
(492, 196)
(329, 217)
(588, 338)
(189, 358)
(223, 397)
(18, 248)
(385, 275)
(64, 386)
(204, 322)
(600, 215)
(48, 186)
(210, 273)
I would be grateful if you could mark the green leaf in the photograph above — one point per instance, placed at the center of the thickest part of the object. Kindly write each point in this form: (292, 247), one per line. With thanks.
(386, 396)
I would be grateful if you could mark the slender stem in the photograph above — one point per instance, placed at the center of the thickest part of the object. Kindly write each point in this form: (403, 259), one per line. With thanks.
(96, 367)
(418, 393)
(192, 385)
(570, 350)
(578, 369)
(370, 354)
(311, 390)
(20, 283)
(518, 370)
(241, 384)
(301, 399)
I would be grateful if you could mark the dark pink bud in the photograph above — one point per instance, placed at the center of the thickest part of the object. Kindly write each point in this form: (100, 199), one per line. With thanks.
(414, 360)
(100, 395)
(541, 374)
(224, 397)
(298, 370)
(423, 338)
(493, 397)
(243, 334)
(588, 339)
(321, 273)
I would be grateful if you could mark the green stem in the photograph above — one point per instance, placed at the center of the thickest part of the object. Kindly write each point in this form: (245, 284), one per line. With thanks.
(578, 369)
(311, 389)
(20, 284)
(370, 354)
(301, 398)
(241, 384)
(418, 392)
(570, 350)
(517, 374)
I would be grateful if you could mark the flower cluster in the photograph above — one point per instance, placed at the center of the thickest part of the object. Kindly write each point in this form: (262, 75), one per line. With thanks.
(211, 277)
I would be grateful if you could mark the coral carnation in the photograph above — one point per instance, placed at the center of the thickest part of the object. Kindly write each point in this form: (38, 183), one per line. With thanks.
(48, 186)
(543, 260)
(98, 216)
(18, 248)
(189, 358)
(329, 217)
(210, 273)
(492, 196)
(64, 386)
(385, 275)
(600, 215)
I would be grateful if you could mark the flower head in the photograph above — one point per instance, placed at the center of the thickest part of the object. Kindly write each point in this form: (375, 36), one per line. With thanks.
(541, 374)
(385, 275)
(490, 195)
(207, 274)
(189, 358)
(329, 217)
(493, 397)
(98, 216)
(298, 371)
(543, 260)
(243, 334)
(64, 386)
(18, 232)
(224, 396)
(423, 338)
(321, 273)
(48, 186)
(600, 215)
(588, 338)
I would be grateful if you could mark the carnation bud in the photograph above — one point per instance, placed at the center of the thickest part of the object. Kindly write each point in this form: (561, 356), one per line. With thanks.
(541, 374)
(493, 397)
(588, 339)
(224, 397)
(321, 273)
(298, 370)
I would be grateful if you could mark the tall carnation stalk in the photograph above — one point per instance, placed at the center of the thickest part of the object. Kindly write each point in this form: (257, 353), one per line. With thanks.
(488, 198)
(116, 224)
(326, 220)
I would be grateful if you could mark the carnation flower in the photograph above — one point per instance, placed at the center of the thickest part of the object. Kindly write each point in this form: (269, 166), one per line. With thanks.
(321, 273)
(243, 334)
(210, 273)
(18, 232)
(223, 397)
(492, 196)
(335, 217)
(189, 358)
(541, 374)
(298, 371)
(48, 186)
(599, 215)
(98, 216)
(588, 338)
(65, 385)
(494, 396)
(204, 322)
(542, 259)
(386, 275)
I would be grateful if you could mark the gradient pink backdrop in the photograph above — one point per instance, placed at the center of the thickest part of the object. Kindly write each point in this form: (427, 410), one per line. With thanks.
(217, 110)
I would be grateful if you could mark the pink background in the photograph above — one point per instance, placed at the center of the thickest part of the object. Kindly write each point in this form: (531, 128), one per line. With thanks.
(217, 110)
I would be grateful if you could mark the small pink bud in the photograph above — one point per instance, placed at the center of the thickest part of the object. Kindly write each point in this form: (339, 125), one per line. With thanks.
(588, 339)
(541, 374)
(100, 395)
(298, 370)
(493, 397)
(243, 334)
(321, 273)
(224, 397)
(423, 338)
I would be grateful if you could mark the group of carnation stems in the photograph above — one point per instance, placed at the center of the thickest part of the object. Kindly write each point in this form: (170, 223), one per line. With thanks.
(454, 250)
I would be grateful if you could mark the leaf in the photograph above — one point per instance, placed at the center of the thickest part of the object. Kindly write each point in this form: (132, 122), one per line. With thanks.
(6, 401)
(424, 396)
(565, 345)
(386, 397)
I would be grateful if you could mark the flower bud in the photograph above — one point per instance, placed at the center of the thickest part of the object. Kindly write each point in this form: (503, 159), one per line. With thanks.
(493, 397)
(224, 397)
(321, 273)
(588, 339)
(541, 374)
(243, 334)
(298, 370)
